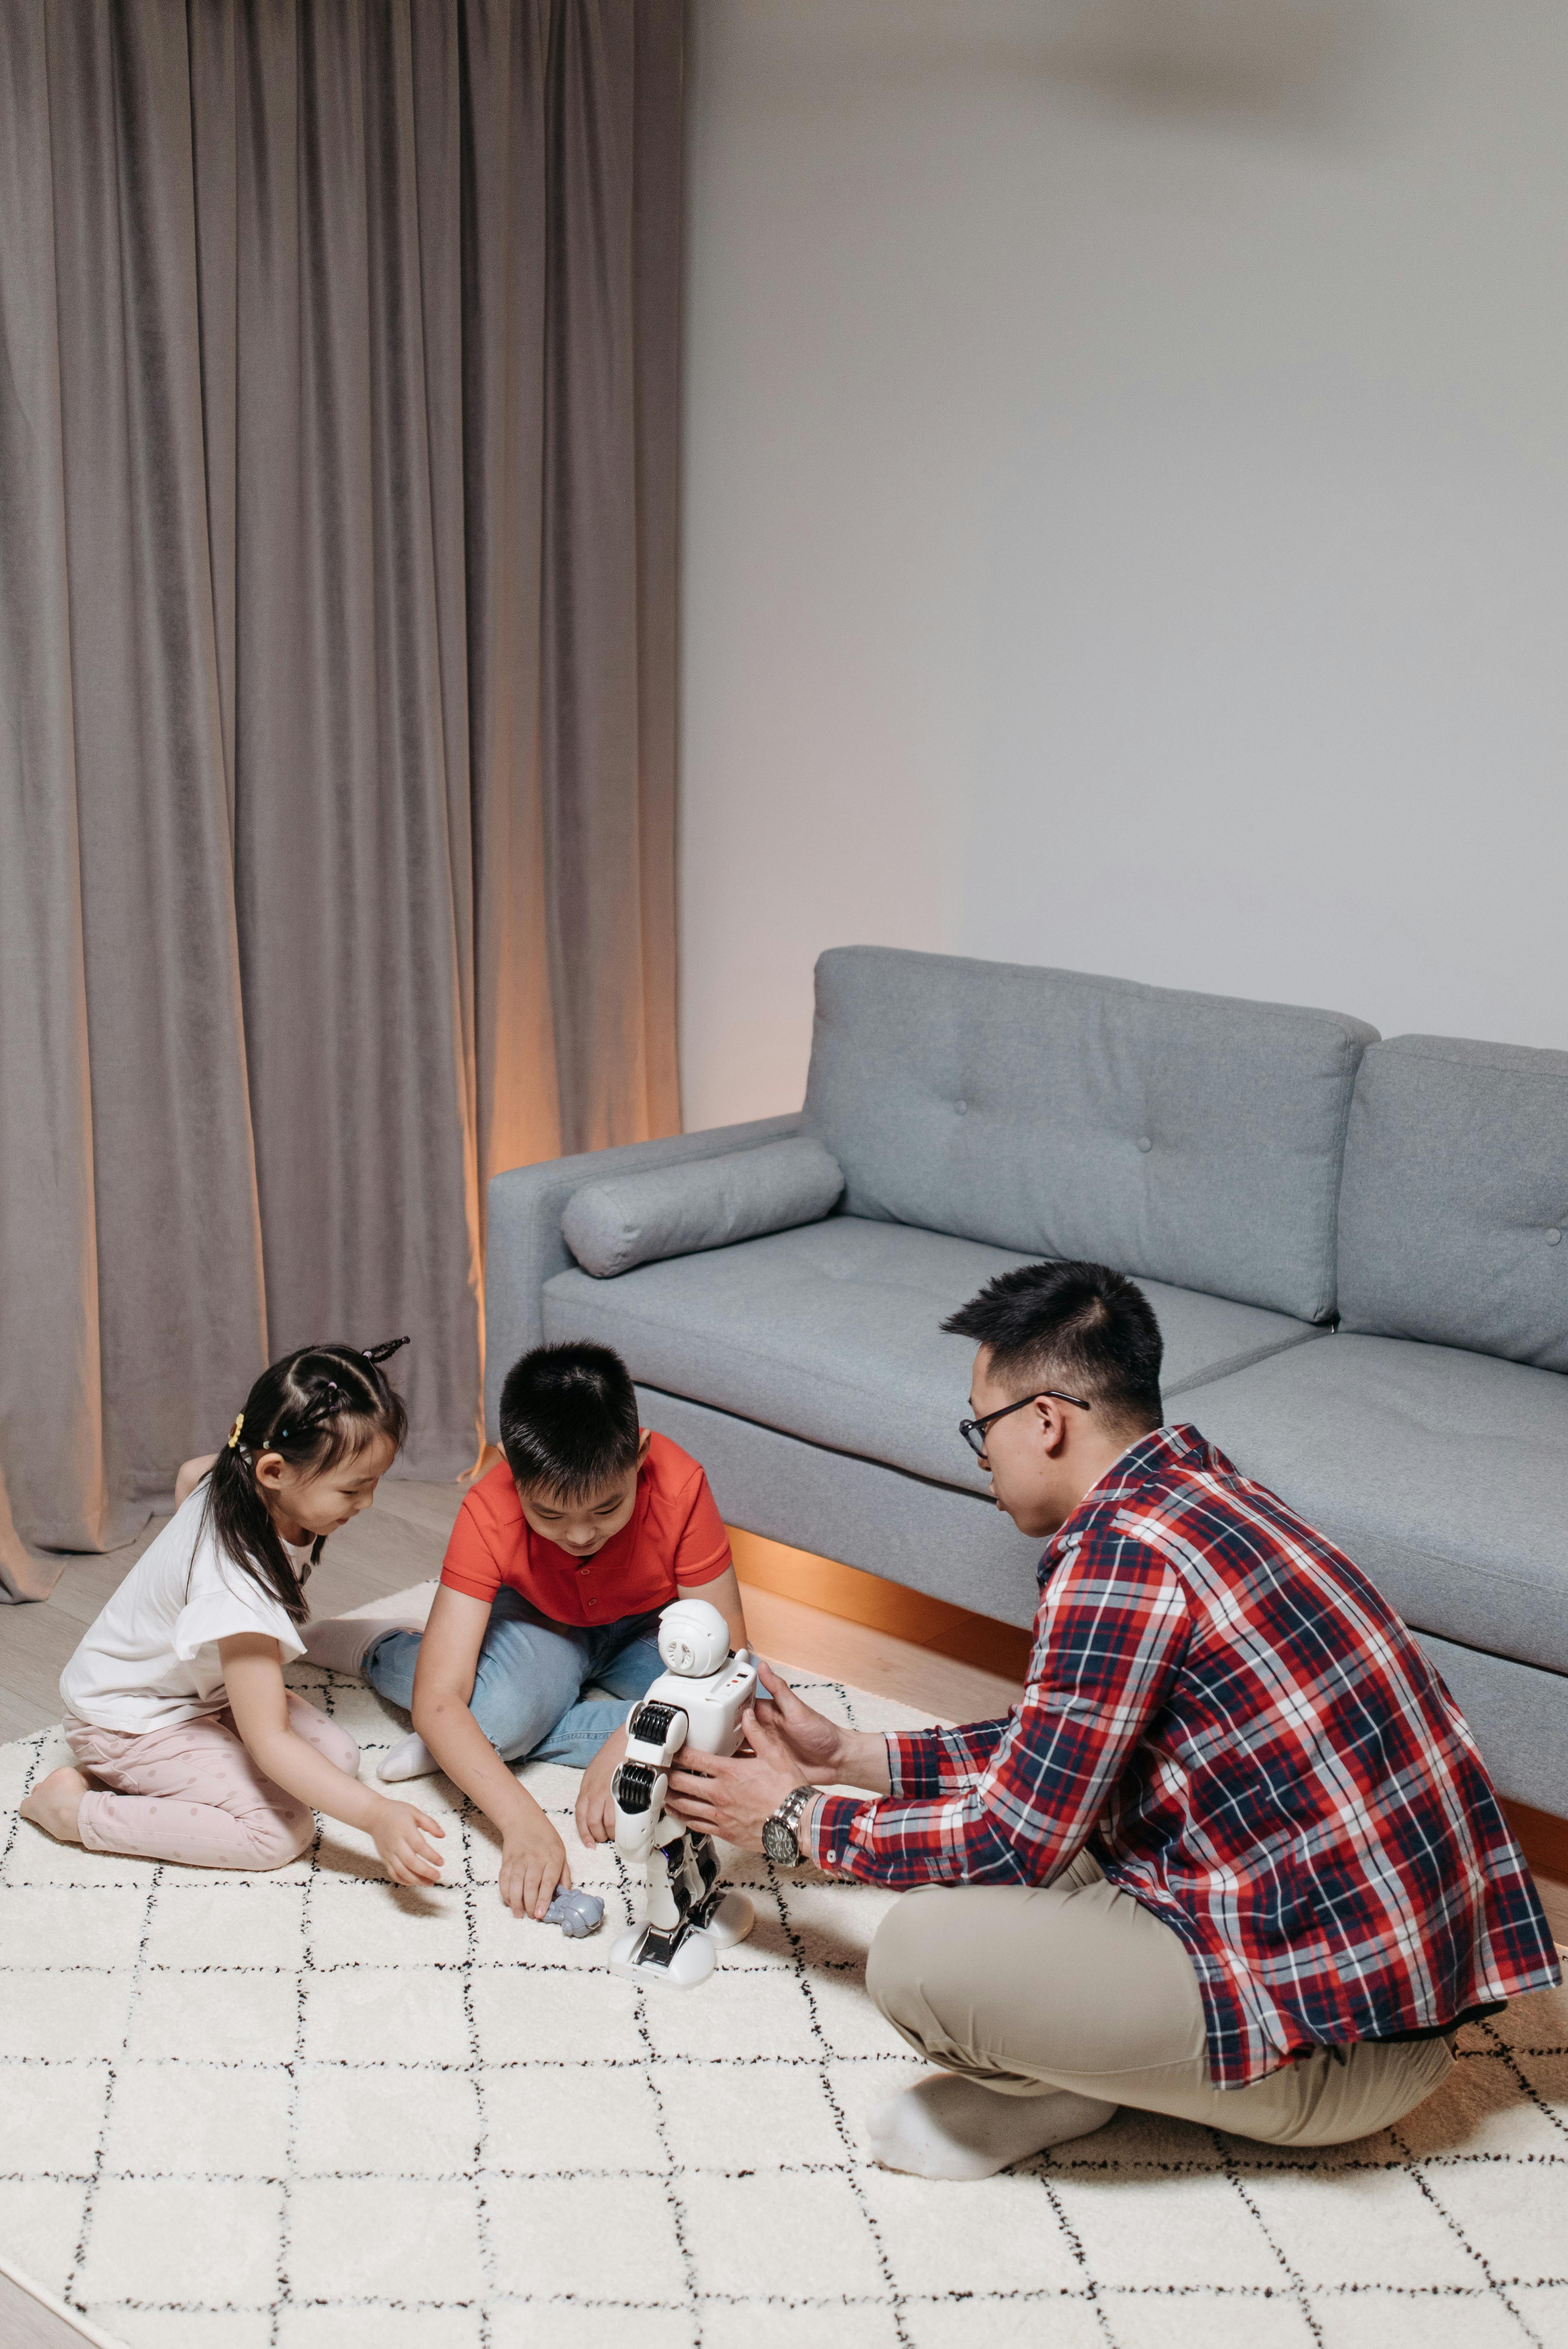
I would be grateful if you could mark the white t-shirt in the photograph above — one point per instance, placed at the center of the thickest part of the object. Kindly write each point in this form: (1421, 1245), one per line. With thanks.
(151, 1658)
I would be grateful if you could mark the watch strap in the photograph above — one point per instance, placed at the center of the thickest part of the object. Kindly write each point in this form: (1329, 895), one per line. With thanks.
(789, 1809)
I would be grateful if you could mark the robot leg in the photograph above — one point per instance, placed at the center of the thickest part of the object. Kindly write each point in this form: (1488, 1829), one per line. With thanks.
(668, 1946)
(725, 1916)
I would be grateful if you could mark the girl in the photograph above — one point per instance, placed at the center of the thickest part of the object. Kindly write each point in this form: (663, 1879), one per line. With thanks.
(175, 1702)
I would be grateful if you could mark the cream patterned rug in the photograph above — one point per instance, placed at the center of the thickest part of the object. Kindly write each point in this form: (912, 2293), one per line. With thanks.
(309, 2111)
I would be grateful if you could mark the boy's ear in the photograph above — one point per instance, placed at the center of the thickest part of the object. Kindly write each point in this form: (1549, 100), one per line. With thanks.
(645, 1437)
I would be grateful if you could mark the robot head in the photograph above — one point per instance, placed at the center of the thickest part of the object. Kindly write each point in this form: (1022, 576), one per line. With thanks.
(694, 1637)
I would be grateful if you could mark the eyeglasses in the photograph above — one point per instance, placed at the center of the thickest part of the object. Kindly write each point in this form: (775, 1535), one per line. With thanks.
(973, 1431)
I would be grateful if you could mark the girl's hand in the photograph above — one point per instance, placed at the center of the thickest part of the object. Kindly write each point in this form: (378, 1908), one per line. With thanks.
(532, 1865)
(405, 1856)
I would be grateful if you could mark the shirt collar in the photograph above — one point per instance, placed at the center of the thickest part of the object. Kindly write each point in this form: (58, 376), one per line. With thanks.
(1152, 1456)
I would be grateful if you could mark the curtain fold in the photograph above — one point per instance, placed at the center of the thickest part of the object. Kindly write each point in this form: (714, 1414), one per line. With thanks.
(337, 509)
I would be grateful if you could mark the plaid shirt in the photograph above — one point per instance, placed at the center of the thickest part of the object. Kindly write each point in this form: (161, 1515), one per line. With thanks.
(1252, 1744)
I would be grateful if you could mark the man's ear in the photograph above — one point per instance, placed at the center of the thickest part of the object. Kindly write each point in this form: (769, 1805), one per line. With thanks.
(645, 1437)
(1052, 1419)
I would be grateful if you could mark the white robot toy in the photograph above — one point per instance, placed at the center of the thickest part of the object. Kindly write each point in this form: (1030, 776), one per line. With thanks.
(698, 1701)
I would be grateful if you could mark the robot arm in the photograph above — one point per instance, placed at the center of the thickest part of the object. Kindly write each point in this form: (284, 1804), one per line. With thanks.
(655, 1733)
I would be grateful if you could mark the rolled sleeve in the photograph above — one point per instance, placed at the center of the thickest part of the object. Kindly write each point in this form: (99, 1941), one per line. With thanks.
(927, 1763)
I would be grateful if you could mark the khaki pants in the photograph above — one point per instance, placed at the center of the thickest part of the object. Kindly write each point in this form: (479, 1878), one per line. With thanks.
(1076, 1986)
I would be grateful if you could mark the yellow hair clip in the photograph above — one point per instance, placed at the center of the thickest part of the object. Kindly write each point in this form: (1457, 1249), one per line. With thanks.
(235, 1431)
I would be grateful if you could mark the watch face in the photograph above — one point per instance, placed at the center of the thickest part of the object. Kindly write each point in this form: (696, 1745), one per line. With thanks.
(779, 1842)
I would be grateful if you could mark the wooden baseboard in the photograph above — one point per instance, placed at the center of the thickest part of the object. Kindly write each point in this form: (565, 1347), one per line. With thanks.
(881, 1606)
(1002, 1648)
(1542, 1838)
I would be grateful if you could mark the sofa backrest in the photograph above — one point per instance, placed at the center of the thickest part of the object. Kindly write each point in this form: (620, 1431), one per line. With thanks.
(1453, 1214)
(1192, 1138)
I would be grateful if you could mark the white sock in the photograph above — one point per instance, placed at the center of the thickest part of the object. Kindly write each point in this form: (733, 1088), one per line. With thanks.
(410, 1758)
(947, 2127)
(342, 1643)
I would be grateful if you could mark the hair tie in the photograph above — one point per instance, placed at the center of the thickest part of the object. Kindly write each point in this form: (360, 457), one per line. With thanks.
(379, 1353)
(235, 1431)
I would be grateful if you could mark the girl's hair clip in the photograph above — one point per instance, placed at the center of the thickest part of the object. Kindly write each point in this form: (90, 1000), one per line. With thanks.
(235, 1431)
(379, 1353)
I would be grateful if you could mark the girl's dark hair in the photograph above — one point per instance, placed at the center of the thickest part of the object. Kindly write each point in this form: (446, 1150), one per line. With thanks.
(317, 1406)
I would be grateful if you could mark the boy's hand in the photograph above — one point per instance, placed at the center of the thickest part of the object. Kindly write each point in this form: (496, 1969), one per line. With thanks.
(595, 1803)
(398, 1832)
(532, 1865)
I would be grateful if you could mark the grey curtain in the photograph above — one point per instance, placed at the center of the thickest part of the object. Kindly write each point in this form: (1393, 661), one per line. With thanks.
(338, 346)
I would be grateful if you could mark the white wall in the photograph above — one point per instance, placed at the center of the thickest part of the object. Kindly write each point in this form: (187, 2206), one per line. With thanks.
(1125, 505)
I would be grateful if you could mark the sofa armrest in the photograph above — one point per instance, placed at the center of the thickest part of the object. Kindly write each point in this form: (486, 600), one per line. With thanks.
(523, 1247)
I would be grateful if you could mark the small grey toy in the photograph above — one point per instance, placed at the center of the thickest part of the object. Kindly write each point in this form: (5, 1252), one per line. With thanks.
(577, 1913)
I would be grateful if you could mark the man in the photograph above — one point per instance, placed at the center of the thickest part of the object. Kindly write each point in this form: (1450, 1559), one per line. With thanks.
(1234, 1856)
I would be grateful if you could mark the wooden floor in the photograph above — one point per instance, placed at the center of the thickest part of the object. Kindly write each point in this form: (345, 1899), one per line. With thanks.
(27, 2323)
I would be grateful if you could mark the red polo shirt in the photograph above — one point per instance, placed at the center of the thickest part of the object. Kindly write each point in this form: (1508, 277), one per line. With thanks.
(673, 1535)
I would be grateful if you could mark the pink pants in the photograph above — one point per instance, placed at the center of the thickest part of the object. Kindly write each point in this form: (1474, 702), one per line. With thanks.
(193, 1793)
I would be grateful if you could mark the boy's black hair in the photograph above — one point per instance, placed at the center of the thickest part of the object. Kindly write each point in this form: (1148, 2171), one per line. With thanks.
(1081, 1327)
(569, 1419)
(315, 1407)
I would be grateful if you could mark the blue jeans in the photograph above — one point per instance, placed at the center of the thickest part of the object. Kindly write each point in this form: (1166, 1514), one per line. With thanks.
(528, 1685)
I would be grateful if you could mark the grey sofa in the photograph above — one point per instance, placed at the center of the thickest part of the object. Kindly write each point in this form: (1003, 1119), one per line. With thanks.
(1356, 1251)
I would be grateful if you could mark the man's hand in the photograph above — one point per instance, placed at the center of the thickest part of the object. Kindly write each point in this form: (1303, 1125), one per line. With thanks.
(825, 1753)
(596, 1802)
(731, 1795)
(532, 1865)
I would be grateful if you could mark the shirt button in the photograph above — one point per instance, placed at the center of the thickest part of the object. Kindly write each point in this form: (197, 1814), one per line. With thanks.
(1144, 1144)
(962, 1108)
(1553, 1237)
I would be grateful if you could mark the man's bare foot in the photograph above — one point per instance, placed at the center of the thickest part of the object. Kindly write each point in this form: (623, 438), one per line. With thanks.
(55, 1802)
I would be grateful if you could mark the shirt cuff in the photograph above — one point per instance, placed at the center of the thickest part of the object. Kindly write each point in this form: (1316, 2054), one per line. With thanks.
(691, 1577)
(828, 1837)
(452, 1580)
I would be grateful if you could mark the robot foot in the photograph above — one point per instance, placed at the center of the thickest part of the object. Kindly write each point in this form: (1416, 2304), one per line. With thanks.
(731, 1920)
(643, 1954)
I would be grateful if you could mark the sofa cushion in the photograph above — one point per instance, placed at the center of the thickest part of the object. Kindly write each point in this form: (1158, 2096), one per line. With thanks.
(1453, 1214)
(624, 1220)
(830, 1332)
(1192, 1139)
(1444, 1474)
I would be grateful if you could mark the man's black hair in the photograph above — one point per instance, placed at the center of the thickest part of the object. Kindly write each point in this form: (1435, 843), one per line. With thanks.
(569, 1419)
(1081, 1327)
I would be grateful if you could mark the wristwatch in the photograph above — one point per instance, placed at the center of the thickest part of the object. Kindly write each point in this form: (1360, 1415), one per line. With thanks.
(778, 1838)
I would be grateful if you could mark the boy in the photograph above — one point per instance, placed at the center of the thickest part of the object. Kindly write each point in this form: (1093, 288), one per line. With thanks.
(559, 1561)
